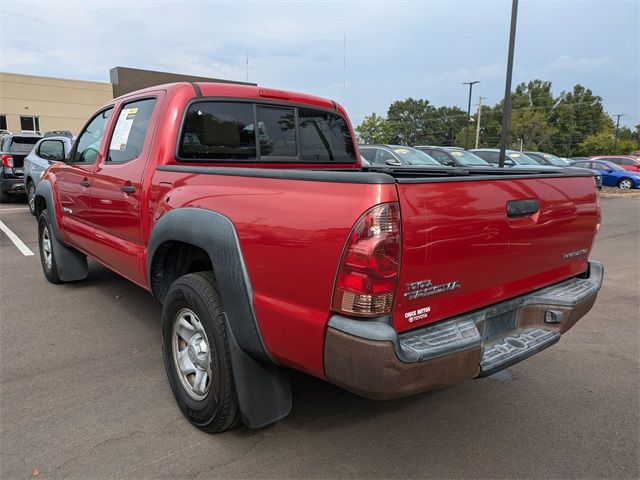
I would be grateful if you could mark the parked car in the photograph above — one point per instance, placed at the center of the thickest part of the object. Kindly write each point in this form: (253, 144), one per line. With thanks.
(628, 162)
(612, 175)
(13, 150)
(276, 250)
(547, 159)
(512, 158)
(47, 151)
(395, 155)
(453, 156)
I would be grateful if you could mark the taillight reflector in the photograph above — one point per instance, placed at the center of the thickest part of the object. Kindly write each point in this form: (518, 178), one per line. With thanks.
(368, 272)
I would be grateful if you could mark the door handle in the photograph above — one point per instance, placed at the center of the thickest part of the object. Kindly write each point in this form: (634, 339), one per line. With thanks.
(85, 183)
(522, 208)
(128, 189)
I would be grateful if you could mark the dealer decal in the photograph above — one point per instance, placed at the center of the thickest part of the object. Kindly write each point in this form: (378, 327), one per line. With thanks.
(416, 315)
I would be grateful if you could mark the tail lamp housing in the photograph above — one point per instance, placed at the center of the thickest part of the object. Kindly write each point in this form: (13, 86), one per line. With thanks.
(7, 161)
(369, 267)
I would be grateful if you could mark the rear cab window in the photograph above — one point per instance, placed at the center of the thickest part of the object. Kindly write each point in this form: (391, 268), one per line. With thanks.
(215, 130)
(22, 145)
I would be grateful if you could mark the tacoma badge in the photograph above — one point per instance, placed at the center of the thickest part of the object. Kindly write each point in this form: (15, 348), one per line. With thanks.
(426, 288)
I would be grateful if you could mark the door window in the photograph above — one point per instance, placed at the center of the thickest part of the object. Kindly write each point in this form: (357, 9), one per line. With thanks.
(90, 139)
(51, 150)
(128, 137)
(382, 156)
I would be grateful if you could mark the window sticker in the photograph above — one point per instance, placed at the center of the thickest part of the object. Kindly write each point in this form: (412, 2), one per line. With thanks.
(123, 129)
(402, 150)
(457, 154)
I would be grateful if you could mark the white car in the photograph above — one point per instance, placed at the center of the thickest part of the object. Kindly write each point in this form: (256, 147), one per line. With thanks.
(46, 152)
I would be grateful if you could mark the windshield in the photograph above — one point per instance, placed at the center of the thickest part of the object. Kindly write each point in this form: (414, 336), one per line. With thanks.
(522, 159)
(412, 156)
(467, 158)
(553, 160)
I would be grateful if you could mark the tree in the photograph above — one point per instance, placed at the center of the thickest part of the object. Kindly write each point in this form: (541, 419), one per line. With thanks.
(577, 115)
(373, 129)
(532, 128)
(602, 143)
(412, 122)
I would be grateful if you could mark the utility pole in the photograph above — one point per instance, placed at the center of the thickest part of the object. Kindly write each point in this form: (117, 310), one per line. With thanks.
(615, 143)
(506, 112)
(466, 136)
(478, 122)
(247, 64)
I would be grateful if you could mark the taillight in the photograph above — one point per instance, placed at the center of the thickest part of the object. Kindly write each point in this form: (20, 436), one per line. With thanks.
(366, 281)
(7, 161)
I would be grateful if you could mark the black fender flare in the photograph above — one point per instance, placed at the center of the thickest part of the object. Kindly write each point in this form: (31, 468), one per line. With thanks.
(72, 264)
(263, 387)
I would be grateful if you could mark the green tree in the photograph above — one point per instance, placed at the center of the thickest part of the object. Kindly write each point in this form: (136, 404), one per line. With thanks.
(577, 115)
(602, 143)
(532, 127)
(412, 122)
(373, 129)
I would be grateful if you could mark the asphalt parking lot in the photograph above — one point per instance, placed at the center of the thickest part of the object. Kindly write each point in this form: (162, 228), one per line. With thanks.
(84, 395)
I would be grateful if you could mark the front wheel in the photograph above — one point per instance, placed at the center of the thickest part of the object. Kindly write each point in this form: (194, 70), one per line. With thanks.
(196, 353)
(625, 184)
(47, 255)
(31, 197)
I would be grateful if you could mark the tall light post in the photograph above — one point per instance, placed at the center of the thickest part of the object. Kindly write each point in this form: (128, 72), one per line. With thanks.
(506, 107)
(615, 143)
(466, 136)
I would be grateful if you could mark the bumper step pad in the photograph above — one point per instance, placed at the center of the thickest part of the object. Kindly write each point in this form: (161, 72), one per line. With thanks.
(515, 347)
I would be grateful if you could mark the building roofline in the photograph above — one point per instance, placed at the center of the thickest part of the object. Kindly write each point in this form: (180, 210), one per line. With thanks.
(55, 78)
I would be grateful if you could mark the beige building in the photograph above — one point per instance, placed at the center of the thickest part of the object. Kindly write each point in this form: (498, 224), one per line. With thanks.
(33, 103)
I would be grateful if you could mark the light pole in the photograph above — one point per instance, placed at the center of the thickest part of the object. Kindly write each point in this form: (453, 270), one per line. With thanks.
(466, 136)
(506, 107)
(615, 143)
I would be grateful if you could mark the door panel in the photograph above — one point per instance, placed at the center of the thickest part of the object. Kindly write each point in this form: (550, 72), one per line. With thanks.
(74, 195)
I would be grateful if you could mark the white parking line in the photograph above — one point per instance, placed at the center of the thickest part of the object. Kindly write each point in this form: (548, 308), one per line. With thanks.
(16, 241)
(13, 209)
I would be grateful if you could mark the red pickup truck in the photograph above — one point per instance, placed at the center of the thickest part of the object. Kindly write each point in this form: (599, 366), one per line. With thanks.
(247, 213)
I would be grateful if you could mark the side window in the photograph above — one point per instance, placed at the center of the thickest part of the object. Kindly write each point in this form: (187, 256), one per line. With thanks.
(218, 131)
(277, 132)
(325, 137)
(127, 140)
(382, 156)
(51, 150)
(440, 156)
(368, 153)
(625, 161)
(492, 157)
(90, 140)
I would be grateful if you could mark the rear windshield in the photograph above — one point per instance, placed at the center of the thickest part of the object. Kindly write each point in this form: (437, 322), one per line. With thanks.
(23, 145)
(226, 131)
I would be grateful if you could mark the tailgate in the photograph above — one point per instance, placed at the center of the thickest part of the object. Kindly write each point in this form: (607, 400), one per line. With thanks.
(462, 250)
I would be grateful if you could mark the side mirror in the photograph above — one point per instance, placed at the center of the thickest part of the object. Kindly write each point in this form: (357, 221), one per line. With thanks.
(392, 162)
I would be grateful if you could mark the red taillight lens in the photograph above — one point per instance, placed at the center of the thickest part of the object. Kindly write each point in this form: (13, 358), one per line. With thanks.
(7, 161)
(368, 272)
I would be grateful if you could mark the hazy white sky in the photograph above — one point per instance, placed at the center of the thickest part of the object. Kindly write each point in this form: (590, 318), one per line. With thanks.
(394, 50)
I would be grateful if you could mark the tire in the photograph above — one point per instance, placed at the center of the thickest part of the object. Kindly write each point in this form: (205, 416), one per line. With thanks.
(45, 244)
(31, 197)
(4, 196)
(625, 184)
(193, 308)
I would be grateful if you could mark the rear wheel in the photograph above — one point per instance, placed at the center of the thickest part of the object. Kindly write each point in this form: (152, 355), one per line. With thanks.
(31, 197)
(47, 255)
(625, 184)
(196, 353)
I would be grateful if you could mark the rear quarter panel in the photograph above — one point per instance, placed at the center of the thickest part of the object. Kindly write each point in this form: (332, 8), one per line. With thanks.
(292, 234)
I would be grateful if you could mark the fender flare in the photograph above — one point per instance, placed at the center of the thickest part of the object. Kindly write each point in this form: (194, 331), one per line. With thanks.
(263, 387)
(72, 265)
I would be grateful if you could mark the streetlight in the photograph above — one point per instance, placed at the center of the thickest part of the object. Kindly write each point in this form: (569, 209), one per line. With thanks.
(615, 143)
(466, 136)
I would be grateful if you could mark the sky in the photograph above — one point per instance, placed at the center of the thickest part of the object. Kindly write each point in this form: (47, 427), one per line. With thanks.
(394, 49)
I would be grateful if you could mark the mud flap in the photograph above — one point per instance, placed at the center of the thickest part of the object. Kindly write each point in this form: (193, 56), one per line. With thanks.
(263, 390)
(72, 265)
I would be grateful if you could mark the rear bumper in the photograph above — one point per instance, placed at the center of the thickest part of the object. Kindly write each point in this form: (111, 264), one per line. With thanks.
(371, 359)
(12, 185)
